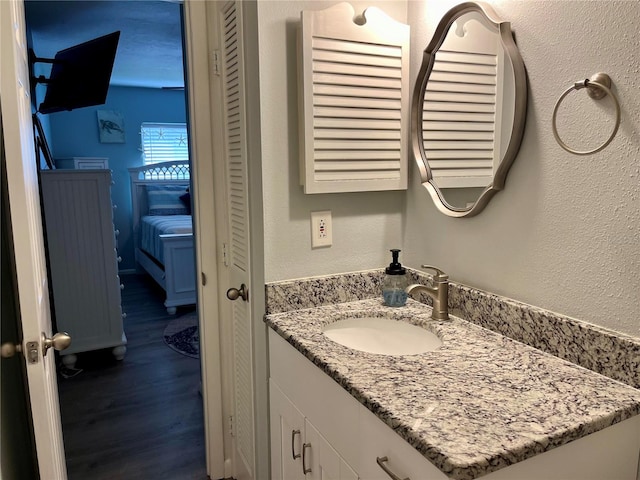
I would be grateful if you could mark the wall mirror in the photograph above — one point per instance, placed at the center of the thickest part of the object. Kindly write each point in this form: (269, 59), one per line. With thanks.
(468, 109)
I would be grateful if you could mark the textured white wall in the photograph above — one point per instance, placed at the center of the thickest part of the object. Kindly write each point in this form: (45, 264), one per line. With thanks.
(365, 225)
(565, 233)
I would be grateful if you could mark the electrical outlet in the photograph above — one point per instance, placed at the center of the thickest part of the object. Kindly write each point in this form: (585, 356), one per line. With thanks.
(321, 229)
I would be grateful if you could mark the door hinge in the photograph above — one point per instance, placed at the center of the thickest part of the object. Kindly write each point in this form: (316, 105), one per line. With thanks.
(231, 432)
(225, 257)
(215, 62)
(203, 278)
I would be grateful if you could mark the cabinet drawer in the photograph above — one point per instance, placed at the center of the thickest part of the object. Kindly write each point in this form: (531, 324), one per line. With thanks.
(377, 440)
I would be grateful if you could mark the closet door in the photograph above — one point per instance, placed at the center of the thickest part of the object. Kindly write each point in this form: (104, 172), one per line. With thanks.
(239, 261)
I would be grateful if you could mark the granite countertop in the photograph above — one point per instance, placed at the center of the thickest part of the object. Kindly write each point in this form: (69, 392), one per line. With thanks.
(478, 403)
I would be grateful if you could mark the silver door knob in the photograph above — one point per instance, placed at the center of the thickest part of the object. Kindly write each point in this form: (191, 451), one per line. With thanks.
(59, 341)
(234, 293)
(8, 350)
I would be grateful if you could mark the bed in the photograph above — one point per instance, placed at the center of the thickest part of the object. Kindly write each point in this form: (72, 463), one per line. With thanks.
(162, 229)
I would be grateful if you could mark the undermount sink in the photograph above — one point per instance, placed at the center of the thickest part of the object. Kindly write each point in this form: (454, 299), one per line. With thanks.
(384, 336)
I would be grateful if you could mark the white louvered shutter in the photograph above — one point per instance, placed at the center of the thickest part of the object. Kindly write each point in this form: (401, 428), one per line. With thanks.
(354, 101)
(463, 105)
(237, 201)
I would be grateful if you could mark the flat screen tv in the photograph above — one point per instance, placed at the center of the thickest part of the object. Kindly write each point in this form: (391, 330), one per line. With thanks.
(80, 75)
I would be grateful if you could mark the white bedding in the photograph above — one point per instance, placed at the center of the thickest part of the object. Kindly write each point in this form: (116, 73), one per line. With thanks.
(152, 226)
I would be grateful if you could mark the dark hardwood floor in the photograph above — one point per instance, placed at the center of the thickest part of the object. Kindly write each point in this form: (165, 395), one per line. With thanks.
(139, 418)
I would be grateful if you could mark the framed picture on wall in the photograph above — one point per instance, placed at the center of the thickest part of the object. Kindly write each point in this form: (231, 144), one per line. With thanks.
(111, 126)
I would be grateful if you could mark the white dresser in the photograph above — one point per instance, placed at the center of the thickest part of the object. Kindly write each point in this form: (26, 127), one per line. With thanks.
(83, 260)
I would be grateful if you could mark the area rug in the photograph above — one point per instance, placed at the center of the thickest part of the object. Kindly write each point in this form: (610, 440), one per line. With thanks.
(182, 335)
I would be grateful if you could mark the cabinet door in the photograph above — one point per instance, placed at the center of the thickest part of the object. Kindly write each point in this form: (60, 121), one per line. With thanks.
(321, 460)
(287, 434)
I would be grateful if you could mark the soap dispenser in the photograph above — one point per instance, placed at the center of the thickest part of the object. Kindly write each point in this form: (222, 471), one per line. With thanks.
(394, 283)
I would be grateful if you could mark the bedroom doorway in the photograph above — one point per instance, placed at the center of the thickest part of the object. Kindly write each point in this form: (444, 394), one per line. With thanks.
(158, 401)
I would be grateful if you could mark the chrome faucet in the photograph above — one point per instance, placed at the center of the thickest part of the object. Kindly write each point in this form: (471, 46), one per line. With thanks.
(439, 293)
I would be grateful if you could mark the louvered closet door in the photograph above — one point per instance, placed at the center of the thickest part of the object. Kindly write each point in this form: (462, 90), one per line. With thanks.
(239, 262)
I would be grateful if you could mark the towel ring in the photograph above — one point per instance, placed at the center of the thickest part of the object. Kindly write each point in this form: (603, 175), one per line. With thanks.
(598, 86)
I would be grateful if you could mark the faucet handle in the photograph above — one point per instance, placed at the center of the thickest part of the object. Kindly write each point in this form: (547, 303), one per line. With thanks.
(440, 276)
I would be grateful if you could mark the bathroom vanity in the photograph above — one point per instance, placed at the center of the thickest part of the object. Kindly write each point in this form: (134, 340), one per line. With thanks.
(480, 405)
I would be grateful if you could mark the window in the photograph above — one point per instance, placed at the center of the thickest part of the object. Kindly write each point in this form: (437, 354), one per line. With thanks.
(164, 142)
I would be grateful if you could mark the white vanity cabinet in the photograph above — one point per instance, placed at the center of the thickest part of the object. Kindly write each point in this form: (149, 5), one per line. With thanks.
(302, 395)
(298, 450)
(83, 260)
(345, 438)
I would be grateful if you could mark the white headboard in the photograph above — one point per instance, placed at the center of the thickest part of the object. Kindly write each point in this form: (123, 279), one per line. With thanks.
(163, 173)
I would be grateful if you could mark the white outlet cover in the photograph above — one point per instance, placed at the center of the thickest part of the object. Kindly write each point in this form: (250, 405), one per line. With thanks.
(321, 229)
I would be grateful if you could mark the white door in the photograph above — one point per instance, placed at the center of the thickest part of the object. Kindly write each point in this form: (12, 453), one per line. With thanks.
(202, 152)
(31, 271)
(235, 153)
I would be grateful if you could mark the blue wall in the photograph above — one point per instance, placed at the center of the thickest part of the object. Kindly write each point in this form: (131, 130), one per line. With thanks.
(75, 134)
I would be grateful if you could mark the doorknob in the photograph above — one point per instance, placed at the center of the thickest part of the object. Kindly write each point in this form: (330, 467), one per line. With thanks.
(234, 293)
(59, 341)
(9, 349)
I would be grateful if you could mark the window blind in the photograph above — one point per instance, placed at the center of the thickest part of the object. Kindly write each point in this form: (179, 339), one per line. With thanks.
(164, 142)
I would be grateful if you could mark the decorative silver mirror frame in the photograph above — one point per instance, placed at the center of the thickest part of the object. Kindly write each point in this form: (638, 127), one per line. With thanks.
(520, 109)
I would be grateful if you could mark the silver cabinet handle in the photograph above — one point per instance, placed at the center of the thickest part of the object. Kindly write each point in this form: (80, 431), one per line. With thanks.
(305, 470)
(381, 461)
(293, 442)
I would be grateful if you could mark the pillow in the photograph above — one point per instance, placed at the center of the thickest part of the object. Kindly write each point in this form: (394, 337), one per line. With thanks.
(186, 200)
(165, 200)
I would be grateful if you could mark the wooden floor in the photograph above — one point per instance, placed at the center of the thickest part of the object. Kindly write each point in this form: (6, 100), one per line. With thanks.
(140, 418)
